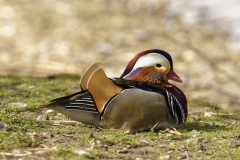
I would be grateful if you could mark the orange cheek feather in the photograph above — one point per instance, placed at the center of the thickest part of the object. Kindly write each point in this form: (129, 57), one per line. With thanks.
(152, 75)
(147, 74)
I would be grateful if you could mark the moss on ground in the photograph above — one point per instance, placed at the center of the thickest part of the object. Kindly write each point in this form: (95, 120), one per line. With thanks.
(208, 134)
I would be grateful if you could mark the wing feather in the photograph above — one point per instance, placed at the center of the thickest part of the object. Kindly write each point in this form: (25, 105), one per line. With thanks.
(88, 73)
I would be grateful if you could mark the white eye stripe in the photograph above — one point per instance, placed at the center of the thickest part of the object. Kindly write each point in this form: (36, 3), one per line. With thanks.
(152, 59)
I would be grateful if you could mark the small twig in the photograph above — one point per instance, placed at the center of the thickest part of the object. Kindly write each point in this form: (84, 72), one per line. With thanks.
(155, 126)
(219, 114)
(14, 154)
(63, 122)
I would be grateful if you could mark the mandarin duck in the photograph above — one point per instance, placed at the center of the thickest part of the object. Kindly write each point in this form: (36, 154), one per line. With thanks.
(141, 99)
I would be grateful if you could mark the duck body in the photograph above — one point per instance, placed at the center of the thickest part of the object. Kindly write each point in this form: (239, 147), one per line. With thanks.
(140, 99)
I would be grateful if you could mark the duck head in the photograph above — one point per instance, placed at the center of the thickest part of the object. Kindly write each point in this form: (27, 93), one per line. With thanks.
(155, 66)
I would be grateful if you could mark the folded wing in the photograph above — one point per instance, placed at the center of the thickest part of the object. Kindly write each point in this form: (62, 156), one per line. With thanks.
(101, 88)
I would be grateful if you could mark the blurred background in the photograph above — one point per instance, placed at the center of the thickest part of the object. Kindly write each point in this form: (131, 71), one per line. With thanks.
(46, 37)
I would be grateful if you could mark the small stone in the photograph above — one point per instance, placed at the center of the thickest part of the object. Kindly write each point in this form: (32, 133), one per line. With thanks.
(59, 116)
(98, 141)
(49, 111)
(143, 142)
(195, 133)
(81, 152)
(3, 125)
(208, 114)
(128, 146)
(196, 118)
(211, 123)
(42, 118)
(188, 140)
(15, 151)
(47, 134)
(234, 144)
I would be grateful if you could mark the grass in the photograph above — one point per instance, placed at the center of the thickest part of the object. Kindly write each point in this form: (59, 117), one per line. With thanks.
(205, 136)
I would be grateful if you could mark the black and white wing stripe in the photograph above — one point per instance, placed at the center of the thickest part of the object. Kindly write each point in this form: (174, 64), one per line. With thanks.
(175, 108)
(83, 102)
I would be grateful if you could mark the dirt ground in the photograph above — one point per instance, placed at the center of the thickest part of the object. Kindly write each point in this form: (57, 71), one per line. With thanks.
(44, 37)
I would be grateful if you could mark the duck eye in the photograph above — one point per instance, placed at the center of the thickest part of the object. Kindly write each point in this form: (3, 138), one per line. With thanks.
(158, 65)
